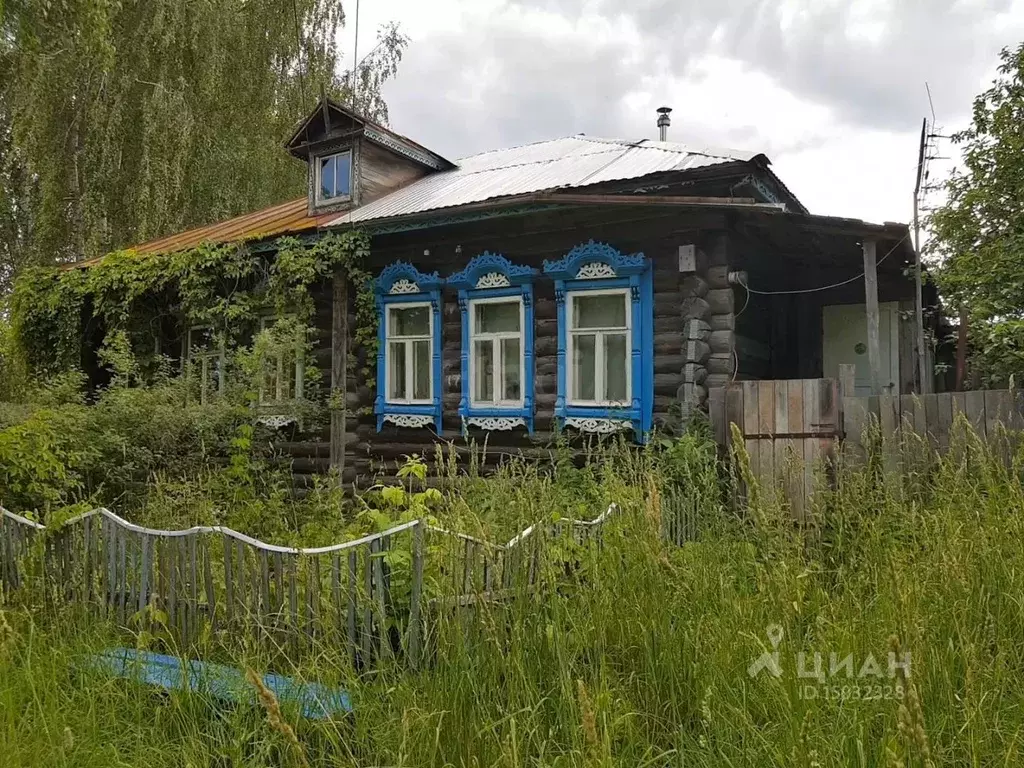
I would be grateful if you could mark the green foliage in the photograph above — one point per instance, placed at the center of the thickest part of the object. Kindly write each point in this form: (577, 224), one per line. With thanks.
(637, 655)
(37, 462)
(12, 369)
(61, 453)
(125, 121)
(978, 235)
(227, 287)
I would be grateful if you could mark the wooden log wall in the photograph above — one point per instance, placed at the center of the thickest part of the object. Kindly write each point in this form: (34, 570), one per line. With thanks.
(689, 332)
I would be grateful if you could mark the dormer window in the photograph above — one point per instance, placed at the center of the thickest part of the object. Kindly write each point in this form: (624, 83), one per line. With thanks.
(334, 177)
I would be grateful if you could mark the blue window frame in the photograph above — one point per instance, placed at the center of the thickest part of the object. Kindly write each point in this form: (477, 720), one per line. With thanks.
(496, 303)
(409, 384)
(605, 304)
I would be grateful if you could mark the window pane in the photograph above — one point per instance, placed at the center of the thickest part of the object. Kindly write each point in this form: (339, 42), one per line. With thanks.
(411, 321)
(483, 371)
(602, 311)
(421, 367)
(512, 388)
(584, 366)
(326, 178)
(616, 358)
(497, 317)
(200, 339)
(342, 174)
(396, 370)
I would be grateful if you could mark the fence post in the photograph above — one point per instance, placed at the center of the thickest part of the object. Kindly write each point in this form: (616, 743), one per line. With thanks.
(416, 596)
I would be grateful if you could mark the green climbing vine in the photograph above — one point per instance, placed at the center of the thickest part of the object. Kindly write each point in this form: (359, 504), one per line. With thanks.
(125, 302)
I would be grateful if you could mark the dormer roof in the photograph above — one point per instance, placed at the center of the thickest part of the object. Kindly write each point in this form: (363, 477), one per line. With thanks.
(331, 122)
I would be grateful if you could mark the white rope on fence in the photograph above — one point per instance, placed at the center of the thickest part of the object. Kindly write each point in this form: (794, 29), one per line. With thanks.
(275, 548)
(202, 529)
(22, 520)
(520, 537)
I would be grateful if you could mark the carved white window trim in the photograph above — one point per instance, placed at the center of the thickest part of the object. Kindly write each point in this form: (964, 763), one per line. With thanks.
(599, 426)
(276, 422)
(412, 420)
(402, 286)
(496, 423)
(493, 280)
(595, 270)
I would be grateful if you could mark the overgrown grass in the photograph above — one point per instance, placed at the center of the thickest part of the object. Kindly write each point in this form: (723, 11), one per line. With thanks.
(638, 654)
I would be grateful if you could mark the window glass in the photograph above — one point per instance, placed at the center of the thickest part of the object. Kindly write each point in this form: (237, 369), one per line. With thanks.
(396, 373)
(335, 176)
(409, 321)
(200, 339)
(584, 362)
(511, 388)
(326, 178)
(421, 370)
(600, 311)
(615, 362)
(483, 370)
(497, 317)
(343, 174)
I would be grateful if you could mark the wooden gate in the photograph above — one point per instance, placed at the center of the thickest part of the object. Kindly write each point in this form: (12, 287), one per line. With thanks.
(789, 429)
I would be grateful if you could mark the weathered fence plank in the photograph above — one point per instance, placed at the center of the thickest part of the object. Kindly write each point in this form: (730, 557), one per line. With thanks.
(751, 424)
(183, 572)
(810, 414)
(416, 595)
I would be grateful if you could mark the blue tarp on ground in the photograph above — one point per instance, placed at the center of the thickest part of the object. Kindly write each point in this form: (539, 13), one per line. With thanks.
(316, 701)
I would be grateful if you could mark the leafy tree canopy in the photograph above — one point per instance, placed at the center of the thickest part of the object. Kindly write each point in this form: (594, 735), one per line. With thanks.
(124, 120)
(978, 235)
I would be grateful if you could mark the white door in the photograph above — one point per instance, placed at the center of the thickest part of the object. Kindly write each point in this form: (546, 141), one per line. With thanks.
(845, 341)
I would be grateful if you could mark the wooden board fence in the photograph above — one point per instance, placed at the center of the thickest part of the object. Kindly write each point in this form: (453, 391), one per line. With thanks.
(991, 414)
(791, 430)
(788, 427)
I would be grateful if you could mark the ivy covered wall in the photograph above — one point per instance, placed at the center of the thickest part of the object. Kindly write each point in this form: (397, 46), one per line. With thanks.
(114, 313)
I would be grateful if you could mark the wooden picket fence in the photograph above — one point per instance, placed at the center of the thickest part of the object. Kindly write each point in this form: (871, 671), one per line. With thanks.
(370, 595)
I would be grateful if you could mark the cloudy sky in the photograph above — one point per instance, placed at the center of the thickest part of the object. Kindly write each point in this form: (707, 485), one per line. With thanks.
(833, 91)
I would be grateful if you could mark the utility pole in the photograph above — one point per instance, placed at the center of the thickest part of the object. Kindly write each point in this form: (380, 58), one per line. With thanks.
(924, 380)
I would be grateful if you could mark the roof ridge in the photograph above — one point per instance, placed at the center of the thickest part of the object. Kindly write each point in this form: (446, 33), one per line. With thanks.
(491, 169)
(685, 148)
(578, 137)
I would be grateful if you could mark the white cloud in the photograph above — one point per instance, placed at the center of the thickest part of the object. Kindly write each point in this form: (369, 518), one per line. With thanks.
(831, 90)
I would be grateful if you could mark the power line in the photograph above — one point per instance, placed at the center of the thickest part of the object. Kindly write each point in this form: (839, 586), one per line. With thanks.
(824, 287)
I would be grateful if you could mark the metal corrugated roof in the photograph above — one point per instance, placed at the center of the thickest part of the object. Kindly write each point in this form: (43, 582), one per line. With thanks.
(565, 163)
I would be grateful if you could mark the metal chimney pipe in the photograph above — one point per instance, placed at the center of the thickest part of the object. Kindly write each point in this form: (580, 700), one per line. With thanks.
(663, 122)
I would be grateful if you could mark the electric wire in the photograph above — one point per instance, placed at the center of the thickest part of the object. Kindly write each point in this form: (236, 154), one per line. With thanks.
(856, 277)
(749, 291)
